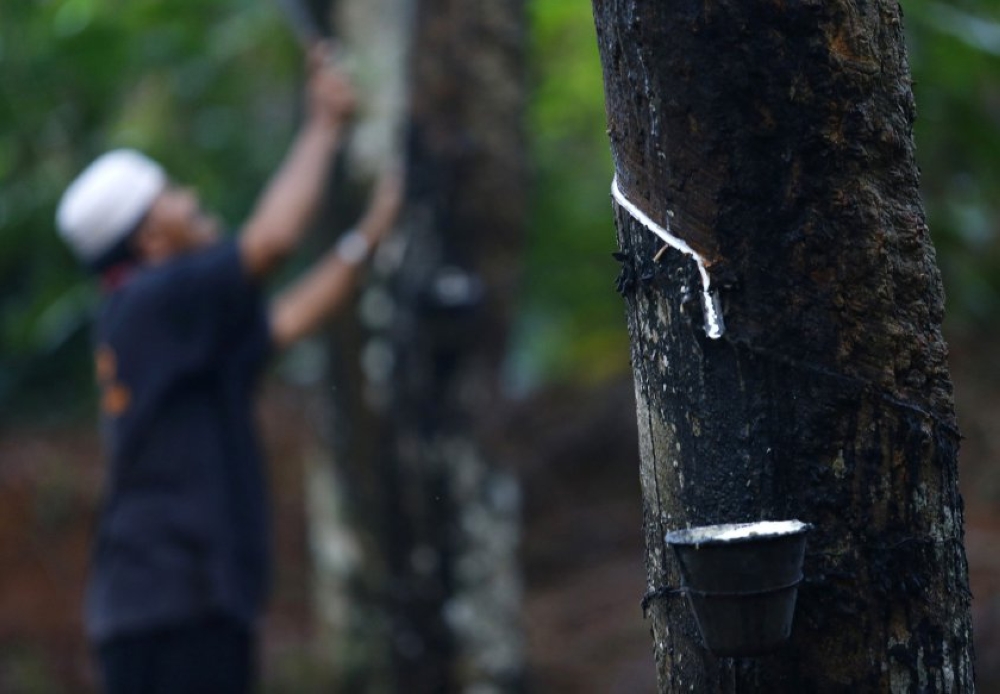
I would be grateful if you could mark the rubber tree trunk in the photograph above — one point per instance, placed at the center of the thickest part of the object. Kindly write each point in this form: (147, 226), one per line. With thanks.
(350, 503)
(776, 140)
(422, 527)
(456, 541)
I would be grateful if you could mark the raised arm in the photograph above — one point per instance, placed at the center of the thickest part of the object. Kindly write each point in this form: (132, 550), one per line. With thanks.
(324, 289)
(289, 202)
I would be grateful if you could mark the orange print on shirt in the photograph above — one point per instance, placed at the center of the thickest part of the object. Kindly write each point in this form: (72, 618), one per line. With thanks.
(115, 396)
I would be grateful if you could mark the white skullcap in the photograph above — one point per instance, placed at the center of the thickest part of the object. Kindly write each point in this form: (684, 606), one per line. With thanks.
(107, 200)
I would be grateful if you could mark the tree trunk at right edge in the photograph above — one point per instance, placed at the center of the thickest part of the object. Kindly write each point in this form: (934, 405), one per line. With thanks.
(776, 139)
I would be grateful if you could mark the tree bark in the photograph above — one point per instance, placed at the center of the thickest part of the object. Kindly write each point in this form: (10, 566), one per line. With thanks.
(455, 291)
(428, 575)
(350, 499)
(776, 140)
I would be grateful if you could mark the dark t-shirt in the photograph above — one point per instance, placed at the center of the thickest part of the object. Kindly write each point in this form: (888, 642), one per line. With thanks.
(183, 532)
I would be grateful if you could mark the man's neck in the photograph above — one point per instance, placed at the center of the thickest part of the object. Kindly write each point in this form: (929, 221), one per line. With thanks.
(117, 275)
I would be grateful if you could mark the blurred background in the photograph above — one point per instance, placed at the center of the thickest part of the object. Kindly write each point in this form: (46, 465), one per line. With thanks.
(211, 88)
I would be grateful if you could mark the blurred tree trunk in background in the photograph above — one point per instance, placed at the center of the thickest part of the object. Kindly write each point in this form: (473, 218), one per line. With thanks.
(456, 288)
(415, 525)
(775, 138)
(351, 504)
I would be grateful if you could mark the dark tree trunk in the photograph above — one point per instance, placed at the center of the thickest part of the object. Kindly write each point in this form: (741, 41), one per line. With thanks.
(776, 139)
(433, 518)
(454, 289)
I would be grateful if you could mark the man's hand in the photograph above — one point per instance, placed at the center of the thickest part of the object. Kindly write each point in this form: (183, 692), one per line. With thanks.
(331, 96)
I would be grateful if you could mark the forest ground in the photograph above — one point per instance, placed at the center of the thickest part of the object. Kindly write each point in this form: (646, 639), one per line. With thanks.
(576, 454)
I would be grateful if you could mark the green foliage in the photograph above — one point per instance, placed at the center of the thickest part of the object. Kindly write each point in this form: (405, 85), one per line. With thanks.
(955, 58)
(572, 324)
(207, 88)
